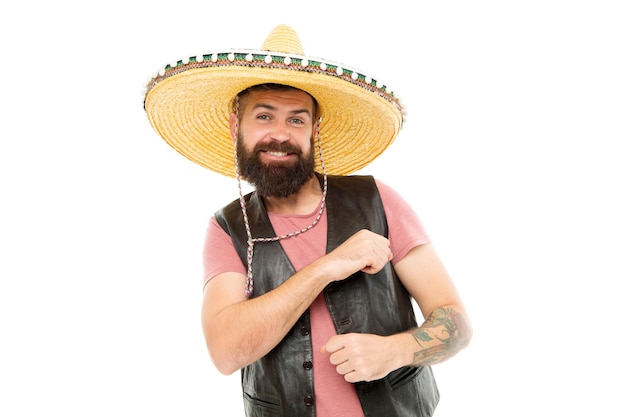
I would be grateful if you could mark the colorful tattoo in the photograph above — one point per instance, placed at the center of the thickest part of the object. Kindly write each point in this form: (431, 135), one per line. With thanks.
(451, 327)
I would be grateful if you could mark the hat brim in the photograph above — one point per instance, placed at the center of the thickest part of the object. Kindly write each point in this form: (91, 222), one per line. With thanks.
(190, 109)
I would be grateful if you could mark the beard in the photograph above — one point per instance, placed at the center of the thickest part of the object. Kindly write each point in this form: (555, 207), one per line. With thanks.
(275, 179)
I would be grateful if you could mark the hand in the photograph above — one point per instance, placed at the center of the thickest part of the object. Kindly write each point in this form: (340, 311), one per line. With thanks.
(364, 251)
(363, 357)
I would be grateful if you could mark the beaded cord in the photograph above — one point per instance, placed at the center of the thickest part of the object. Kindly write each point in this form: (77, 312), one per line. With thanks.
(251, 241)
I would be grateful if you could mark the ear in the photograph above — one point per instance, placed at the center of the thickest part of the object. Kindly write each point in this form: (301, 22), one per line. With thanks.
(316, 127)
(232, 123)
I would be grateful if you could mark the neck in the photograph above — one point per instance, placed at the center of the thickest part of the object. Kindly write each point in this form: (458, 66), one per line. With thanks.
(303, 202)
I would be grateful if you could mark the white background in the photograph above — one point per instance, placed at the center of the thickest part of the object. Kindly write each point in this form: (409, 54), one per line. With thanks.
(512, 154)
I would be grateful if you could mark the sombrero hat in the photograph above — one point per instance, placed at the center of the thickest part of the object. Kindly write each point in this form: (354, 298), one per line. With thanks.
(189, 101)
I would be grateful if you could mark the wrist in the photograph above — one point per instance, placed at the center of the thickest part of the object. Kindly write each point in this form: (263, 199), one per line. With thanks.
(406, 348)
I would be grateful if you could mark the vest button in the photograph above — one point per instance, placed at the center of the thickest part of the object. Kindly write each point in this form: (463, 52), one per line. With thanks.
(308, 365)
(304, 330)
(308, 400)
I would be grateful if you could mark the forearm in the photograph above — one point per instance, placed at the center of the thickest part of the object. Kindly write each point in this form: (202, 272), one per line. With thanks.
(366, 357)
(239, 331)
(245, 331)
(442, 335)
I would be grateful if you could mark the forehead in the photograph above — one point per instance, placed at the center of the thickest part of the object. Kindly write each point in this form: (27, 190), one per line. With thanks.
(279, 99)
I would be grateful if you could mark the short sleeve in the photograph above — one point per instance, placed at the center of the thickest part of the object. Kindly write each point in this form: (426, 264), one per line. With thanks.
(405, 227)
(219, 254)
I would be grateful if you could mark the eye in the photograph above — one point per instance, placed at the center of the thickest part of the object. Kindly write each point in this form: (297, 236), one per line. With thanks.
(296, 121)
(263, 117)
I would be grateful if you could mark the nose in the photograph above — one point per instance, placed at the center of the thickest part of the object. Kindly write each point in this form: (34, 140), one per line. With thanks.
(280, 132)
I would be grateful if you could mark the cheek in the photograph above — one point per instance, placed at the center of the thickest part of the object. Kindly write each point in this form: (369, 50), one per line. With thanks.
(246, 138)
(310, 144)
(252, 133)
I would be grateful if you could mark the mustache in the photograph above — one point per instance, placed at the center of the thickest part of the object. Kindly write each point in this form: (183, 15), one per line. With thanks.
(277, 147)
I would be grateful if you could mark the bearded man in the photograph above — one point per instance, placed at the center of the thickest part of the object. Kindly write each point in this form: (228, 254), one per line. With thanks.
(309, 279)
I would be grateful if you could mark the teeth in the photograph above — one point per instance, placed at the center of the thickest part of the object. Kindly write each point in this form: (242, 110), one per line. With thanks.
(278, 153)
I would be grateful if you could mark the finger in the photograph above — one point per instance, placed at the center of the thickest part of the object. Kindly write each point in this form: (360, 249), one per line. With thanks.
(352, 377)
(376, 265)
(333, 344)
(338, 358)
(344, 366)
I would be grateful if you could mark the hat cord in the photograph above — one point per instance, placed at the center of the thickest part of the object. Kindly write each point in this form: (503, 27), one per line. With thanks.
(251, 241)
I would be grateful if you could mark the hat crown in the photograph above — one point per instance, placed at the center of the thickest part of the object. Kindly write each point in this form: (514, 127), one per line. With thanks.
(283, 39)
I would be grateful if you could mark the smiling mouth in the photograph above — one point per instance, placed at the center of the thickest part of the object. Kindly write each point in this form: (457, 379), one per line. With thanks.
(273, 153)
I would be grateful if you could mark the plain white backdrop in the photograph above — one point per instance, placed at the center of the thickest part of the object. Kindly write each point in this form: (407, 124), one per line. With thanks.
(512, 153)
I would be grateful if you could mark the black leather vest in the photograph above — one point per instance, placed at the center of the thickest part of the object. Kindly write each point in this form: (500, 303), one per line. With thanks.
(281, 383)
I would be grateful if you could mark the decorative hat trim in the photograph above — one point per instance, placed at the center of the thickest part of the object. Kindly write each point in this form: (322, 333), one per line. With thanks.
(262, 59)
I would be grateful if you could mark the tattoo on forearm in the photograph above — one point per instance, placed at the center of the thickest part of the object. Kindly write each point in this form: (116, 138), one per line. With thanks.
(450, 325)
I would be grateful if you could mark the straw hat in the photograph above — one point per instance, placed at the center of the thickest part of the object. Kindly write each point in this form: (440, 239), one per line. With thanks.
(189, 101)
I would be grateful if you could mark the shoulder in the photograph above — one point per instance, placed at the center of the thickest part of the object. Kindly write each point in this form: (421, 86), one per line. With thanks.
(352, 184)
(231, 212)
(387, 192)
(347, 181)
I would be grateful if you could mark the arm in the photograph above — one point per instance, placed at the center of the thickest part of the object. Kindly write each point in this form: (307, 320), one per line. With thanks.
(445, 332)
(239, 331)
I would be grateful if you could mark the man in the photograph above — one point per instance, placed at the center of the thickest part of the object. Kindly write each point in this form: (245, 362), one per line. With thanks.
(310, 278)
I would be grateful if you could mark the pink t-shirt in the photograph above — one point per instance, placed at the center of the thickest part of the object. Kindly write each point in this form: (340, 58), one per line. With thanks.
(334, 397)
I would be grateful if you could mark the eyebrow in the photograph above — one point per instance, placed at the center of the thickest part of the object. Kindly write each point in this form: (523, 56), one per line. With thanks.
(273, 108)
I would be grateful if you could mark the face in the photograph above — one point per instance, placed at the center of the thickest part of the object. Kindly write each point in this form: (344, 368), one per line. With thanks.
(275, 140)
